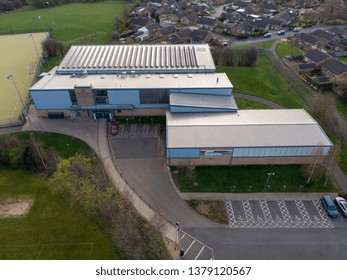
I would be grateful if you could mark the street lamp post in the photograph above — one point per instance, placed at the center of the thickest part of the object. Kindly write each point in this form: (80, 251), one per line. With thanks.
(10, 77)
(42, 22)
(37, 53)
(268, 179)
(177, 232)
(49, 8)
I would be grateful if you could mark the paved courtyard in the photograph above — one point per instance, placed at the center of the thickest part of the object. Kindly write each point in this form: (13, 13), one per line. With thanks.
(277, 214)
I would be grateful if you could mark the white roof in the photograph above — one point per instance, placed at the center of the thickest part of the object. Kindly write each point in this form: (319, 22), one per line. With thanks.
(203, 100)
(136, 81)
(246, 128)
(153, 58)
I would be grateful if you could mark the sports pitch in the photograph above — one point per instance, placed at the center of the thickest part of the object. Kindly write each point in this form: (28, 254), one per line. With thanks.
(19, 58)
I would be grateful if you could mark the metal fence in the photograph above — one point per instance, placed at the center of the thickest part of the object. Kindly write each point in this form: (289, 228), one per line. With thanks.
(19, 120)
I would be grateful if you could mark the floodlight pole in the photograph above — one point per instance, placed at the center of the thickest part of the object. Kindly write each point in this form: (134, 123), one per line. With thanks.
(49, 8)
(43, 24)
(10, 77)
(38, 56)
(268, 179)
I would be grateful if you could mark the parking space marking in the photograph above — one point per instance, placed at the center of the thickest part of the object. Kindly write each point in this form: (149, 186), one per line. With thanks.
(199, 252)
(136, 130)
(297, 216)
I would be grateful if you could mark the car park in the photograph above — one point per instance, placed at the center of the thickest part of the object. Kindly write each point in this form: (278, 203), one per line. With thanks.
(329, 206)
(341, 204)
(114, 128)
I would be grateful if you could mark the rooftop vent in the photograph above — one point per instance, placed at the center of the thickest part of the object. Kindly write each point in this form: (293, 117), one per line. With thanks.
(175, 76)
(190, 76)
(161, 76)
(148, 76)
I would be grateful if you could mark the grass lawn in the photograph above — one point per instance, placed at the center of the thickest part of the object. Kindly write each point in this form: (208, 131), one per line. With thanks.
(75, 23)
(52, 229)
(283, 49)
(224, 178)
(213, 210)
(65, 145)
(263, 81)
(343, 59)
(265, 45)
(243, 103)
(342, 107)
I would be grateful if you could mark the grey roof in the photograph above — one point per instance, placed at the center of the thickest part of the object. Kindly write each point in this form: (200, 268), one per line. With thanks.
(317, 56)
(203, 101)
(168, 30)
(259, 23)
(153, 26)
(116, 58)
(198, 35)
(323, 35)
(140, 21)
(335, 67)
(182, 14)
(337, 31)
(206, 21)
(246, 128)
(308, 38)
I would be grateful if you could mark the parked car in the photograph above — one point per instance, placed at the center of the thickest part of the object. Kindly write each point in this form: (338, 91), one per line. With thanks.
(267, 35)
(114, 128)
(281, 32)
(341, 203)
(295, 29)
(329, 206)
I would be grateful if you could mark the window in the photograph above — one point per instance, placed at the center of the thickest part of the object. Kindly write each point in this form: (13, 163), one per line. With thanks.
(73, 97)
(100, 96)
(154, 96)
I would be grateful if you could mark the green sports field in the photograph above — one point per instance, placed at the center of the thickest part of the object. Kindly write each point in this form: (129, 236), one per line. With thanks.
(19, 58)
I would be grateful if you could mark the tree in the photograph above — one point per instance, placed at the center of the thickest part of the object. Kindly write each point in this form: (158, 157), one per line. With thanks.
(53, 48)
(157, 18)
(115, 35)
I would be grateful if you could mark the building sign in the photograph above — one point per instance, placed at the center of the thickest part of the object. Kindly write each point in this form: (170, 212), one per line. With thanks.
(215, 152)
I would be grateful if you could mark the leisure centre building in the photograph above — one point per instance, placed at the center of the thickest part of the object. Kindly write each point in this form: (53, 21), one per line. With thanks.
(203, 124)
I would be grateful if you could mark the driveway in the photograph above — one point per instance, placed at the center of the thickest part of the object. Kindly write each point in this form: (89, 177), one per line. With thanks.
(139, 159)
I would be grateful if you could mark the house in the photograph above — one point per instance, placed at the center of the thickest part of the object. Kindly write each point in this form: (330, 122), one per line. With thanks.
(243, 29)
(335, 69)
(306, 41)
(200, 36)
(138, 22)
(140, 11)
(153, 29)
(142, 34)
(342, 33)
(166, 31)
(190, 19)
(275, 23)
(260, 25)
(318, 57)
(287, 16)
(267, 8)
(207, 23)
(181, 36)
(326, 37)
(231, 17)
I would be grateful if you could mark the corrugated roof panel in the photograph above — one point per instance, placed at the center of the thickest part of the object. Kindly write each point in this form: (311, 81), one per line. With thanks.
(116, 58)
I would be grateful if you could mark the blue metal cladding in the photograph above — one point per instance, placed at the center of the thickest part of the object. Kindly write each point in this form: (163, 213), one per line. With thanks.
(208, 91)
(124, 97)
(130, 97)
(183, 153)
(277, 151)
(51, 99)
(187, 109)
